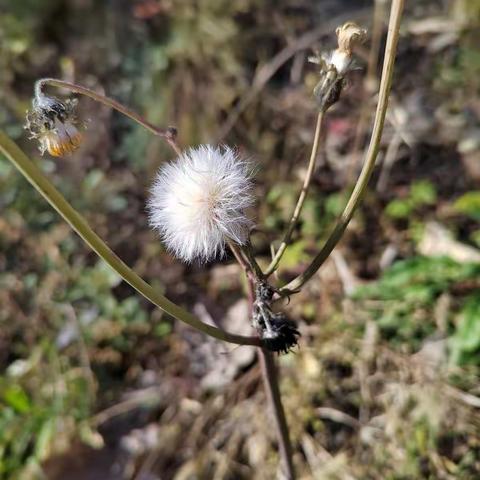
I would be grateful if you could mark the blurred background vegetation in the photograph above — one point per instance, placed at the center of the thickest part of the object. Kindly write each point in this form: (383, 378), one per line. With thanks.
(96, 384)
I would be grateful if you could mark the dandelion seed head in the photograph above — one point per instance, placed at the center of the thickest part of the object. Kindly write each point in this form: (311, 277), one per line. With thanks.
(198, 202)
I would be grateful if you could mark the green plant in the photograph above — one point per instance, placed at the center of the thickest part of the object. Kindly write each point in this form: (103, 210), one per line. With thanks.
(403, 302)
(42, 400)
(55, 129)
(469, 205)
(421, 193)
(465, 342)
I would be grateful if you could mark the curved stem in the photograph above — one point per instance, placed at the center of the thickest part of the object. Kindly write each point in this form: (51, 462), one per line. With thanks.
(270, 380)
(80, 225)
(169, 134)
(370, 86)
(374, 146)
(301, 199)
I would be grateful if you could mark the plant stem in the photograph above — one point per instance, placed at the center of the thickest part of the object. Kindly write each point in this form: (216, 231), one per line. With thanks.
(169, 133)
(301, 199)
(270, 380)
(239, 257)
(30, 171)
(370, 85)
(374, 146)
(249, 275)
(250, 257)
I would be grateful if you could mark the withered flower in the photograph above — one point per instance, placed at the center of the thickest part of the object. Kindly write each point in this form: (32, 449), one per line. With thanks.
(277, 332)
(53, 123)
(336, 64)
(349, 35)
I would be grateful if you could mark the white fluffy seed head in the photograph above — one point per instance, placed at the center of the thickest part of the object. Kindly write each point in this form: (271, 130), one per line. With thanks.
(198, 202)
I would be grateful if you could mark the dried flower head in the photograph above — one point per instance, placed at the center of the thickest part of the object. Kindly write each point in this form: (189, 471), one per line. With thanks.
(277, 332)
(336, 64)
(53, 123)
(198, 202)
(349, 35)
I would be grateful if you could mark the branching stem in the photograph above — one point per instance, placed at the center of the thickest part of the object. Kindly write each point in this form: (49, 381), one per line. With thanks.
(374, 146)
(269, 376)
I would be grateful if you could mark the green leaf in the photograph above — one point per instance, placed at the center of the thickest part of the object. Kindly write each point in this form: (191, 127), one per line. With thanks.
(465, 343)
(15, 397)
(44, 439)
(422, 193)
(469, 204)
(403, 301)
(399, 208)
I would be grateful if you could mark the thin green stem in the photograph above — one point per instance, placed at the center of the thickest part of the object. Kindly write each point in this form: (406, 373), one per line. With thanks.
(370, 86)
(169, 133)
(80, 225)
(301, 199)
(362, 182)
